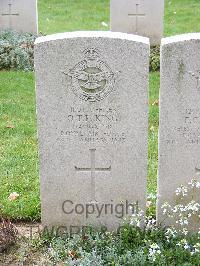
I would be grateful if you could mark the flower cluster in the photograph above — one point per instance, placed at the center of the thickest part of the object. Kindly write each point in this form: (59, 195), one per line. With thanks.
(184, 212)
(154, 251)
(137, 218)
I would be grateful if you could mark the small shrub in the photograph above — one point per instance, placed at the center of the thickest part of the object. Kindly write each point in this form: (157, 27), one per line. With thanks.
(16, 50)
(155, 58)
(8, 234)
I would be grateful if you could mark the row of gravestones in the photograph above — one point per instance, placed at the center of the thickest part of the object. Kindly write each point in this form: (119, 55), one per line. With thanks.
(92, 110)
(142, 17)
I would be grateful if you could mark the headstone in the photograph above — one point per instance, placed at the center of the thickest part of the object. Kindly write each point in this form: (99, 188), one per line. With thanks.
(179, 132)
(92, 111)
(19, 15)
(142, 17)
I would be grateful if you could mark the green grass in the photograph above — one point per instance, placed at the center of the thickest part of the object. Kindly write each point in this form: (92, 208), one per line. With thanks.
(18, 146)
(18, 149)
(69, 15)
(181, 16)
(154, 84)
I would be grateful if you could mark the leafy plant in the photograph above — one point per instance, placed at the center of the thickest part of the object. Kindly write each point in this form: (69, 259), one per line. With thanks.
(134, 244)
(8, 234)
(16, 50)
(155, 58)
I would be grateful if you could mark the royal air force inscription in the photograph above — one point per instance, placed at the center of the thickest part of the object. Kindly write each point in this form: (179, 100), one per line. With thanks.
(98, 125)
(92, 80)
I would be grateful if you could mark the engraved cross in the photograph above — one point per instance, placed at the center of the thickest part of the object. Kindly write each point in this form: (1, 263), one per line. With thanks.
(93, 169)
(10, 14)
(137, 14)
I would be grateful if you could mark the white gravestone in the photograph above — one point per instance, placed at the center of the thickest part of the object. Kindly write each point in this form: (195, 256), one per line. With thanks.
(19, 15)
(92, 111)
(179, 132)
(142, 17)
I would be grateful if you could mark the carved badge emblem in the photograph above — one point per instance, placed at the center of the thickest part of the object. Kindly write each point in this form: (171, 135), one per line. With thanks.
(92, 79)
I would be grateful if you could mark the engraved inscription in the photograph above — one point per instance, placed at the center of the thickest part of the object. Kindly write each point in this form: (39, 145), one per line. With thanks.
(93, 169)
(94, 125)
(189, 131)
(91, 79)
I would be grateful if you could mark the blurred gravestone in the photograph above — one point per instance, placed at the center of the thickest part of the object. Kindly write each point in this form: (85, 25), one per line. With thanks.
(19, 15)
(179, 131)
(142, 17)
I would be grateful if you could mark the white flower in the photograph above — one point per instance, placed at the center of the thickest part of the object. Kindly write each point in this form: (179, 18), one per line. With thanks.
(182, 190)
(185, 231)
(186, 246)
(183, 221)
(136, 218)
(183, 243)
(194, 183)
(166, 209)
(151, 196)
(198, 185)
(154, 251)
(151, 223)
(170, 232)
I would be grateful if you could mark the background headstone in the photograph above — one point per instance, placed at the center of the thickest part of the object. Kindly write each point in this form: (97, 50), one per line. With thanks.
(92, 108)
(141, 17)
(179, 132)
(20, 15)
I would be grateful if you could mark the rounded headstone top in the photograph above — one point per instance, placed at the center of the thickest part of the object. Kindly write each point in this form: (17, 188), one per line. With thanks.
(180, 38)
(92, 34)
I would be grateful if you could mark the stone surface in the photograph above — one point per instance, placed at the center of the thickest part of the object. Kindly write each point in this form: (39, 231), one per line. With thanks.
(92, 109)
(20, 15)
(142, 17)
(179, 132)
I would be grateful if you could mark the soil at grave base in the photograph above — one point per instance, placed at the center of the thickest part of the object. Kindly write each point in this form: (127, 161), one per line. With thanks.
(14, 255)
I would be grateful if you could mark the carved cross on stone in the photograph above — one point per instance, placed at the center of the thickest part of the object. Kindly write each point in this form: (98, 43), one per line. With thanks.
(93, 169)
(137, 15)
(10, 14)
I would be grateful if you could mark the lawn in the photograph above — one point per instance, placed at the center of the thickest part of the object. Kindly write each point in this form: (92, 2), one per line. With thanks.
(18, 146)
(181, 16)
